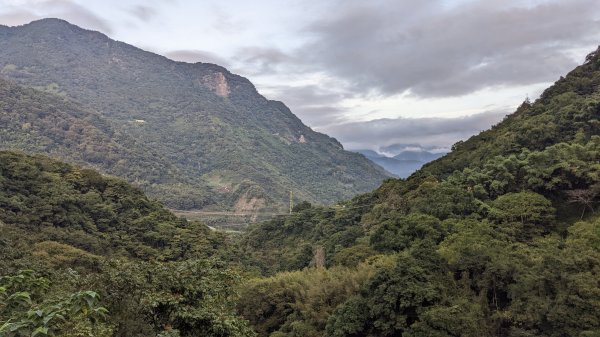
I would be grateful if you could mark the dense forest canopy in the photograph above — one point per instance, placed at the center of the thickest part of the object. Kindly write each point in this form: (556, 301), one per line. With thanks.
(498, 238)
(65, 230)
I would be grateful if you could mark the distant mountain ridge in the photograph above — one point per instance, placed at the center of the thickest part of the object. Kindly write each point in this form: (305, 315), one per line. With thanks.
(404, 163)
(422, 156)
(208, 137)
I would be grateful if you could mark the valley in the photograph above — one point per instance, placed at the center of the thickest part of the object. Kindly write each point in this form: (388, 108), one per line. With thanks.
(141, 196)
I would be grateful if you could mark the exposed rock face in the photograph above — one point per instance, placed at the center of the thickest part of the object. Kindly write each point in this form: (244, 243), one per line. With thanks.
(217, 83)
(245, 204)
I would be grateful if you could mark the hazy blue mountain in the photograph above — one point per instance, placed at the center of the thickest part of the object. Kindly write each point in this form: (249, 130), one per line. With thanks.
(402, 164)
(420, 156)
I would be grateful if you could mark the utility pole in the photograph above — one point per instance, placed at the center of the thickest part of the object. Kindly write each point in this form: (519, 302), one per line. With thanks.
(291, 201)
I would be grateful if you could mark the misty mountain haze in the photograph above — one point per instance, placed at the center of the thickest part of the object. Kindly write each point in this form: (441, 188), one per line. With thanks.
(402, 159)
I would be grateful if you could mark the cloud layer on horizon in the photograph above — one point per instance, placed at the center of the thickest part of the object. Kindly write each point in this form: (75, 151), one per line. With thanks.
(426, 133)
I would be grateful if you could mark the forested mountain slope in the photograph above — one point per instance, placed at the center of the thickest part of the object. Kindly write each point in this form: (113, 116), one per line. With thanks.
(229, 145)
(499, 238)
(40, 122)
(57, 202)
(86, 255)
(567, 110)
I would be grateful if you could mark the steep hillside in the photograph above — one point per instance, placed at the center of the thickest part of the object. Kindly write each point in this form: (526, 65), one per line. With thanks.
(86, 255)
(209, 124)
(39, 122)
(61, 204)
(567, 111)
(501, 237)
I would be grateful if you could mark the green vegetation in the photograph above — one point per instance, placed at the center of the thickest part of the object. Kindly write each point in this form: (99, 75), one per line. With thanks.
(192, 135)
(498, 238)
(65, 207)
(151, 273)
(26, 312)
(298, 303)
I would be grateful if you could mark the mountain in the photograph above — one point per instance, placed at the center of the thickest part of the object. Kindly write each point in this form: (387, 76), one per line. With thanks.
(421, 156)
(41, 122)
(52, 201)
(208, 137)
(500, 237)
(403, 164)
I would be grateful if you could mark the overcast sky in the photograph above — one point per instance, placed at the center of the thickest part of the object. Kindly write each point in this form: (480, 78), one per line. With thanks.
(370, 73)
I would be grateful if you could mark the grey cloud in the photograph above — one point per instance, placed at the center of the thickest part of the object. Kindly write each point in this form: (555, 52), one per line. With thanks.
(395, 149)
(193, 56)
(433, 50)
(17, 17)
(225, 21)
(75, 14)
(264, 60)
(64, 9)
(315, 105)
(319, 115)
(144, 13)
(308, 95)
(423, 132)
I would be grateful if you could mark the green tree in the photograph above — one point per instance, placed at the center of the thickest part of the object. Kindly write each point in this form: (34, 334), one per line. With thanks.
(401, 233)
(26, 308)
(192, 297)
(526, 213)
